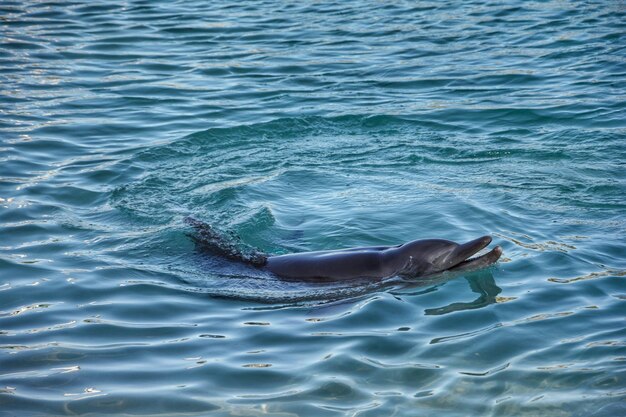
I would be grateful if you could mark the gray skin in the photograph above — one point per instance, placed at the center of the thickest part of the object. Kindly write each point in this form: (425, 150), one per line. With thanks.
(418, 258)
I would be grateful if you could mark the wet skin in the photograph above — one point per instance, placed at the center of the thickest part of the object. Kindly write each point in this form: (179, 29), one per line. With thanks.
(418, 258)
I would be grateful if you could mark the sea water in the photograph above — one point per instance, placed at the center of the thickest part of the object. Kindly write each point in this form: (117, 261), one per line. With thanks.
(294, 126)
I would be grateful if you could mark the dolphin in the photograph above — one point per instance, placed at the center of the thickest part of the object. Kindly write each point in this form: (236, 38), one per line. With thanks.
(418, 258)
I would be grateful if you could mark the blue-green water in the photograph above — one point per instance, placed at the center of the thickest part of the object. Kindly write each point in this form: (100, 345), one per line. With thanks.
(304, 126)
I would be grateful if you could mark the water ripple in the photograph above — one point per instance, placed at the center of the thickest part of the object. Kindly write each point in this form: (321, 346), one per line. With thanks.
(302, 126)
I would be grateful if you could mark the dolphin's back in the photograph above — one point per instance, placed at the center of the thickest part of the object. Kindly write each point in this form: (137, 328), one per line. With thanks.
(340, 264)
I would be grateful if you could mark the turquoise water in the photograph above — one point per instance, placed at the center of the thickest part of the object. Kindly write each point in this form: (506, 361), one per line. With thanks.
(305, 126)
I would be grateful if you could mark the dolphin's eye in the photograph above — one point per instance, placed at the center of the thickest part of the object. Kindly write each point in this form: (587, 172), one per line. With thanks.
(410, 264)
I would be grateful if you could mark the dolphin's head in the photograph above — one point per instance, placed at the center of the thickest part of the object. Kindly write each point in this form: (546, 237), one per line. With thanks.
(434, 256)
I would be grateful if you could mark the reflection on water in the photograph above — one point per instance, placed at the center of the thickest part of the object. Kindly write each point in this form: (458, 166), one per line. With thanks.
(481, 283)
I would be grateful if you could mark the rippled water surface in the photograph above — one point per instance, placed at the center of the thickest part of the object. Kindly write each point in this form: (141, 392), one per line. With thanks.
(305, 126)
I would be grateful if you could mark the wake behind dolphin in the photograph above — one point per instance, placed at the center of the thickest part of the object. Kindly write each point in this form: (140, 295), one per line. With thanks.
(418, 258)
